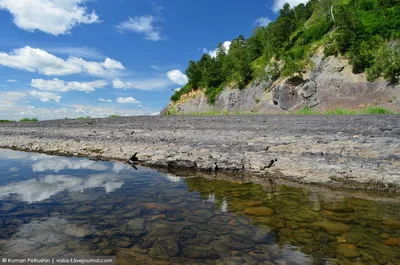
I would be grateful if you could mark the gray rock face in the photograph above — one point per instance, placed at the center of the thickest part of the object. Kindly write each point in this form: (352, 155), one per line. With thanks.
(329, 85)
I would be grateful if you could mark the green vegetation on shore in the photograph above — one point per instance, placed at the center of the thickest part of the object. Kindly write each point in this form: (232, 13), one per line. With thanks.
(28, 120)
(6, 121)
(364, 31)
(341, 111)
(303, 111)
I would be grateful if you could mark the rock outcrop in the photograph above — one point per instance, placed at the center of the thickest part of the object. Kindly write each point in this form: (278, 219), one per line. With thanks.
(329, 85)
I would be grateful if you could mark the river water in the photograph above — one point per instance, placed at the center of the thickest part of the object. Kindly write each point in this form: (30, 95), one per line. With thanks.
(55, 206)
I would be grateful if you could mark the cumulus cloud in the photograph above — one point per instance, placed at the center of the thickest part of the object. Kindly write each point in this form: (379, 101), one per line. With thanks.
(17, 110)
(178, 77)
(62, 86)
(10, 98)
(54, 17)
(148, 84)
(262, 21)
(105, 100)
(45, 96)
(37, 60)
(213, 53)
(127, 100)
(144, 25)
(278, 4)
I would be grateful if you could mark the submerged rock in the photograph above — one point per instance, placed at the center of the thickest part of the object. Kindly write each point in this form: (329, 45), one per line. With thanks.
(170, 246)
(347, 251)
(332, 227)
(259, 211)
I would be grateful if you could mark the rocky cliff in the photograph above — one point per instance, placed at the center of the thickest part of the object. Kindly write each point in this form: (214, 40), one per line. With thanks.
(330, 84)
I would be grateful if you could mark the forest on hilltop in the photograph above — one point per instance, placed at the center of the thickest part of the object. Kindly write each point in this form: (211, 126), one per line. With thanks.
(367, 32)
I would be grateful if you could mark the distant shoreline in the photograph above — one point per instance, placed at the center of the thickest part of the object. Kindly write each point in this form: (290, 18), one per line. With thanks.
(349, 151)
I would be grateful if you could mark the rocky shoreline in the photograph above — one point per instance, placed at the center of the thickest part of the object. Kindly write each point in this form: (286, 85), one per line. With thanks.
(349, 151)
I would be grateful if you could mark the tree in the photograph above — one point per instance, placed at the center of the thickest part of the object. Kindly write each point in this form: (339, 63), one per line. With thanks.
(194, 74)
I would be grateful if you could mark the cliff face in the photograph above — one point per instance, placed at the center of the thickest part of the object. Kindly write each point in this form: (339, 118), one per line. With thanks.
(329, 85)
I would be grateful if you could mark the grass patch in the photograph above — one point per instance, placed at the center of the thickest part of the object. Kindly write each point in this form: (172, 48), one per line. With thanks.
(306, 111)
(114, 116)
(6, 121)
(28, 120)
(340, 111)
(376, 110)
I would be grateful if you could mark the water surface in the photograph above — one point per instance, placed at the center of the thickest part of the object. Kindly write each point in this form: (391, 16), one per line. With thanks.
(56, 206)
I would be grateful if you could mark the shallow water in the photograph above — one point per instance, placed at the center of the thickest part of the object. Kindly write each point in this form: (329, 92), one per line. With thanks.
(55, 206)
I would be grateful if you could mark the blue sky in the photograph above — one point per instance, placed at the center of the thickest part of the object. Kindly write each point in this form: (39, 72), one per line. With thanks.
(70, 58)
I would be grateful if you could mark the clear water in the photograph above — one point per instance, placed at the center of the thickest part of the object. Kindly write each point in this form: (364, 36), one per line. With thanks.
(55, 206)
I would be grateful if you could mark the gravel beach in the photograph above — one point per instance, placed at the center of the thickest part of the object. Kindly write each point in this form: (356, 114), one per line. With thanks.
(351, 151)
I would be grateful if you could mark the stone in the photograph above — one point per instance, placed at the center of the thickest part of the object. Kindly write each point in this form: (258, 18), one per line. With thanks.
(260, 256)
(170, 245)
(338, 208)
(253, 203)
(333, 226)
(137, 224)
(347, 251)
(352, 238)
(187, 234)
(391, 223)
(85, 209)
(392, 242)
(124, 242)
(156, 206)
(199, 252)
(259, 211)
(133, 213)
(219, 247)
(261, 236)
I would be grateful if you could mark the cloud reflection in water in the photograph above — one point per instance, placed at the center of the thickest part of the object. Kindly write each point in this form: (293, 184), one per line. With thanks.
(35, 190)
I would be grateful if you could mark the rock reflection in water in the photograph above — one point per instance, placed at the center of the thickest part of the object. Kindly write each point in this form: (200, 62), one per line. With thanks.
(147, 217)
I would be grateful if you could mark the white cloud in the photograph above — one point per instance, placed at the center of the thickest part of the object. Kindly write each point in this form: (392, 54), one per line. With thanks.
(178, 77)
(84, 52)
(112, 64)
(156, 67)
(262, 21)
(127, 100)
(278, 4)
(149, 84)
(54, 17)
(105, 100)
(144, 24)
(45, 96)
(9, 99)
(11, 80)
(37, 60)
(62, 86)
(213, 53)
